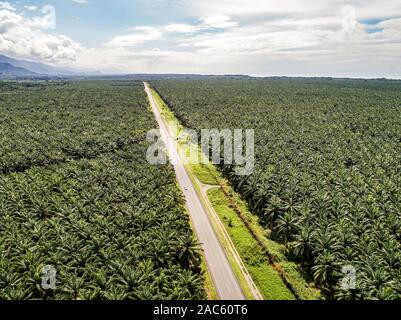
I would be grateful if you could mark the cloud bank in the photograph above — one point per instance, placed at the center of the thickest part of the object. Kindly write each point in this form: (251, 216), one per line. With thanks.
(273, 37)
(31, 38)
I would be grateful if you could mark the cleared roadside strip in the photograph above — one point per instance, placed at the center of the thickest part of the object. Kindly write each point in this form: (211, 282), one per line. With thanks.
(234, 253)
(222, 274)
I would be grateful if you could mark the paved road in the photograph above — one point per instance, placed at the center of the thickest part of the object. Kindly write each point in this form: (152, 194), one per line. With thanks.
(223, 277)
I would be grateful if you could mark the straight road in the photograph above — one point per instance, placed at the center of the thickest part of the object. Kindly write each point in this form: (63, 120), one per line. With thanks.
(219, 267)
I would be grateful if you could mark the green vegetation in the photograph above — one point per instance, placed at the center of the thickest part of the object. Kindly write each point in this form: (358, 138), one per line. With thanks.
(266, 278)
(207, 173)
(203, 173)
(327, 178)
(281, 279)
(77, 193)
(223, 241)
(289, 271)
(224, 200)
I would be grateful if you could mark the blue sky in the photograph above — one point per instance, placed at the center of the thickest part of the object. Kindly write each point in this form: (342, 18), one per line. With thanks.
(95, 21)
(350, 38)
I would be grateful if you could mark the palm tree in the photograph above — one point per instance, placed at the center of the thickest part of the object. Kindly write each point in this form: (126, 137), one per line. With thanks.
(262, 195)
(324, 269)
(325, 240)
(189, 252)
(287, 226)
(301, 247)
(273, 210)
(115, 293)
(391, 254)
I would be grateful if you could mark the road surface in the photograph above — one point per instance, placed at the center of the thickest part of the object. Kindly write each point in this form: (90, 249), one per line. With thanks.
(219, 267)
(230, 245)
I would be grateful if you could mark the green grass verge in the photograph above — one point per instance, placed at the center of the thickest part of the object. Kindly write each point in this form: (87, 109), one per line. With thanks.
(264, 275)
(236, 268)
(208, 284)
(203, 174)
(290, 271)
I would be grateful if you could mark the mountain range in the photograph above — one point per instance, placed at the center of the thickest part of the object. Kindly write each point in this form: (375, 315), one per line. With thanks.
(7, 71)
(11, 68)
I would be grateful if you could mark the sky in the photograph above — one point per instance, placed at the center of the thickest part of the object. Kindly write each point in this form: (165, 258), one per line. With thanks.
(337, 38)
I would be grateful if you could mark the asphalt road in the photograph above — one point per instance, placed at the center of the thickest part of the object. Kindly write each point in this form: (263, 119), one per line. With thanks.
(223, 277)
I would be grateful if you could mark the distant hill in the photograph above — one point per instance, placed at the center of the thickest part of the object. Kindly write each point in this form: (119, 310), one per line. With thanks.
(36, 67)
(37, 70)
(8, 71)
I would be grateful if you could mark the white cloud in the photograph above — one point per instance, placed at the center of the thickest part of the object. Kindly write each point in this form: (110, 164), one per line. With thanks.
(271, 37)
(81, 1)
(138, 35)
(6, 6)
(181, 28)
(305, 8)
(219, 21)
(299, 31)
(26, 37)
(31, 8)
(349, 21)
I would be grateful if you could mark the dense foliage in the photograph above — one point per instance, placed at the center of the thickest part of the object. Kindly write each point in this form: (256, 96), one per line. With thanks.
(45, 124)
(77, 193)
(328, 173)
